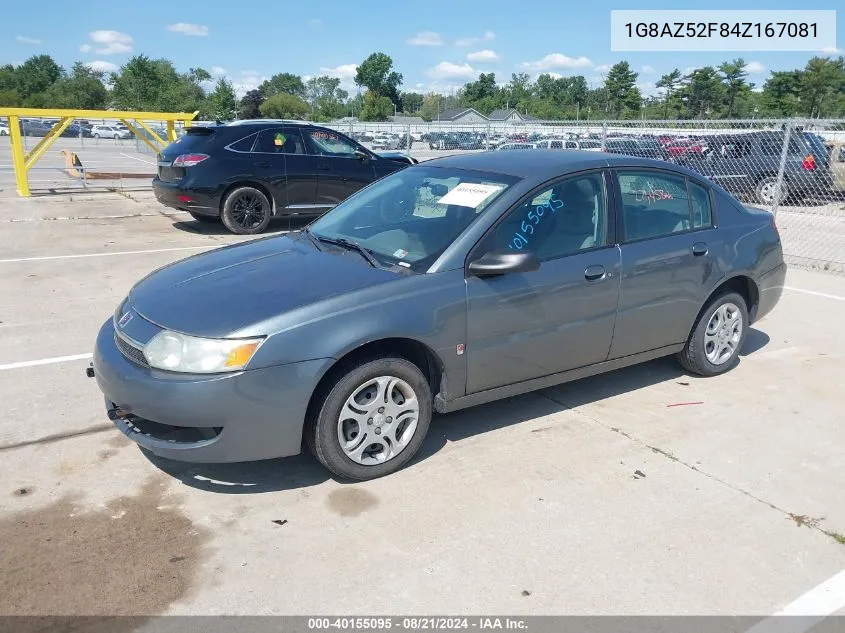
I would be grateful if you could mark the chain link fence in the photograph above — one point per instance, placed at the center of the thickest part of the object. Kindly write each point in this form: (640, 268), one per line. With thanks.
(793, 168)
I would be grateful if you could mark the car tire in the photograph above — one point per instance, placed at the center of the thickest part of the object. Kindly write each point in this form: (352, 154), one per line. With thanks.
(717, 337)
(393, 381)
(96, 136)
(246, 211)
(766, 191)
(117, 137)
(205, 219)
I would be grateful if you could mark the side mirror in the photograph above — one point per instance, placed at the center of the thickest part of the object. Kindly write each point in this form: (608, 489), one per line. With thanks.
(361, 155)
(504, 261)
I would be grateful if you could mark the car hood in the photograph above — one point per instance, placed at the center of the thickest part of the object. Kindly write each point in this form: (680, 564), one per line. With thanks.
(217, 293)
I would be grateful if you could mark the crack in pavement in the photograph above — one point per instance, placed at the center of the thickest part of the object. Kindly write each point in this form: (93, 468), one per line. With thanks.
(800, 520)
(58, 437)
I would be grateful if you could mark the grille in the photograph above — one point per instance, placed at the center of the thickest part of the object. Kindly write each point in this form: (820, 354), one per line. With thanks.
(130, 351)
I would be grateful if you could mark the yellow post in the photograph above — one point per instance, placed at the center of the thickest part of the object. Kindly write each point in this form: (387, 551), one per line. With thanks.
(171, 131)
(138, 135)
(17, 156)
(152, 133)
(45, 143)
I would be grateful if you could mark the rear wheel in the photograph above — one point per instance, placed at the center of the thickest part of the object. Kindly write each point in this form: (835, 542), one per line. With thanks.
(373, 420)
(246, 211)
(714, 343)
(207, 219)
(97, 135)
(767, 191)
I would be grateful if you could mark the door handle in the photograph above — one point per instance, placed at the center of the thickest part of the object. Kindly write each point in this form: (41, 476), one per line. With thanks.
(262, 164)
(699, 249)
(595, 273)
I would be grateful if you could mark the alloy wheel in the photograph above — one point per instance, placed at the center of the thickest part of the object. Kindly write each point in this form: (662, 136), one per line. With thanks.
(378, 420)
(248, 211)
(723, 334)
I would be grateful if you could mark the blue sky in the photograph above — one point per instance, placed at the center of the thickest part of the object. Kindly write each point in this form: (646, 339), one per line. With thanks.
(437, 45)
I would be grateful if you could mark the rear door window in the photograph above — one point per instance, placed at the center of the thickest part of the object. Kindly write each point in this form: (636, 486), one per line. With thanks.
(280, 141)
(654, 204)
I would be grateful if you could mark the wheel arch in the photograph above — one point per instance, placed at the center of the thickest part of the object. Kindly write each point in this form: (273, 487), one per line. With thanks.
(247, 183)
(744, 286)
(412, 350)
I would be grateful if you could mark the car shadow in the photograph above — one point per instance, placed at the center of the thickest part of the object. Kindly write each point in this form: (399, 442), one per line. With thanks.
(269, 475)
(278, 225)
(303, 471)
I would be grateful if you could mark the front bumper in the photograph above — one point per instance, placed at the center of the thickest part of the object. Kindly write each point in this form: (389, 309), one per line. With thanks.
(243, 416)
(167, 193)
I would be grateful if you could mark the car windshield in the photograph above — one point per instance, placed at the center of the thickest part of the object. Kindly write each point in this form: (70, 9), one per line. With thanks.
(410, 217)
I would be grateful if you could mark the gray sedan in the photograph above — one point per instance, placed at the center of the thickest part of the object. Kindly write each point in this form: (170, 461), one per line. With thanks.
(448, 284)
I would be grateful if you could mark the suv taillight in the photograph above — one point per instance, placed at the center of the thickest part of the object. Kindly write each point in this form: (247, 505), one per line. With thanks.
(809, 162)
(189, 160)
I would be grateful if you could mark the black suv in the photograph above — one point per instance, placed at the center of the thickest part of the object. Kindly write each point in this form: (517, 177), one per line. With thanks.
(747, 165)
(247, 172)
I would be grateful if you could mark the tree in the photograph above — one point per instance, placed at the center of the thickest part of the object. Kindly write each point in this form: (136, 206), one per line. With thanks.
(35, 75)
(782, 93)
(822, 81)
(430, 108)
(222, 104)
(670, 83)
(283, 83)
(284, 106)
(376, 74)
(83, 88)
(411, 101)
(376, 108)
(733, 77)
(153, 84)
(621, 92)
(326, 97)
(702, 93)
(250, 107)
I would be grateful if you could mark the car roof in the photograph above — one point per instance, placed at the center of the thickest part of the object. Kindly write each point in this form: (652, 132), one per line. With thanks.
(541, 165)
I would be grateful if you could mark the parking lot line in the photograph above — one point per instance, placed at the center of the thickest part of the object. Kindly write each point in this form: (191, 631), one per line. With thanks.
(813, 292)
(811, 608)
(82, 255)
(140, 160)
(44, 361)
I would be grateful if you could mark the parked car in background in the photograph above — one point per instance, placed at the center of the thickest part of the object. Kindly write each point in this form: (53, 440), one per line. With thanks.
(110, 131)
(512, 146)
(680, 147)
(4, 129)
(248, 172)
(641, 147)
(747, 164)
(451, 283)
(34, 127)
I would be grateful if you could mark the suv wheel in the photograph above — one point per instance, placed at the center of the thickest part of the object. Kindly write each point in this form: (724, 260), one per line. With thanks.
(373, 419)
(714, 343)
(767, 190)
(246, 211)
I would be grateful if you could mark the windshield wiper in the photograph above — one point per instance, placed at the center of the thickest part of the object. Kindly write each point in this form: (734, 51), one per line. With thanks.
(311, 237)
(351, 245)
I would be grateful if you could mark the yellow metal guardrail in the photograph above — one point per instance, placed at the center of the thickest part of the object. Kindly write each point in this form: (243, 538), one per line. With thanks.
(23, 161)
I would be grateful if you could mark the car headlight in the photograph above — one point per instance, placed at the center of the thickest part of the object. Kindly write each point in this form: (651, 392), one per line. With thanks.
(179, 352)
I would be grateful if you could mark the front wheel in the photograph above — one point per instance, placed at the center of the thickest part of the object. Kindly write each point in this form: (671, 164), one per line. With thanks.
(246, 211)
(96, 136)
(373, 420)
(716, 338)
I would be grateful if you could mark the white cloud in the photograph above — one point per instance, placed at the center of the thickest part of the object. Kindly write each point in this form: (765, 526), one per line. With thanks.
(218, 71)
(345, 72)
(23, 39)
(603, 68)
(648, 70)
(448, 70)
(556, 60)
(463, 42)
(250, 72)
(483, 56)
(111, 42)
(315, 22)
(689, 70)
(832, 50)
(754, 68)
(246, 82)
(426, 38)
(647, 88)
(101, 66)
(419, 86)
(188, 28)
